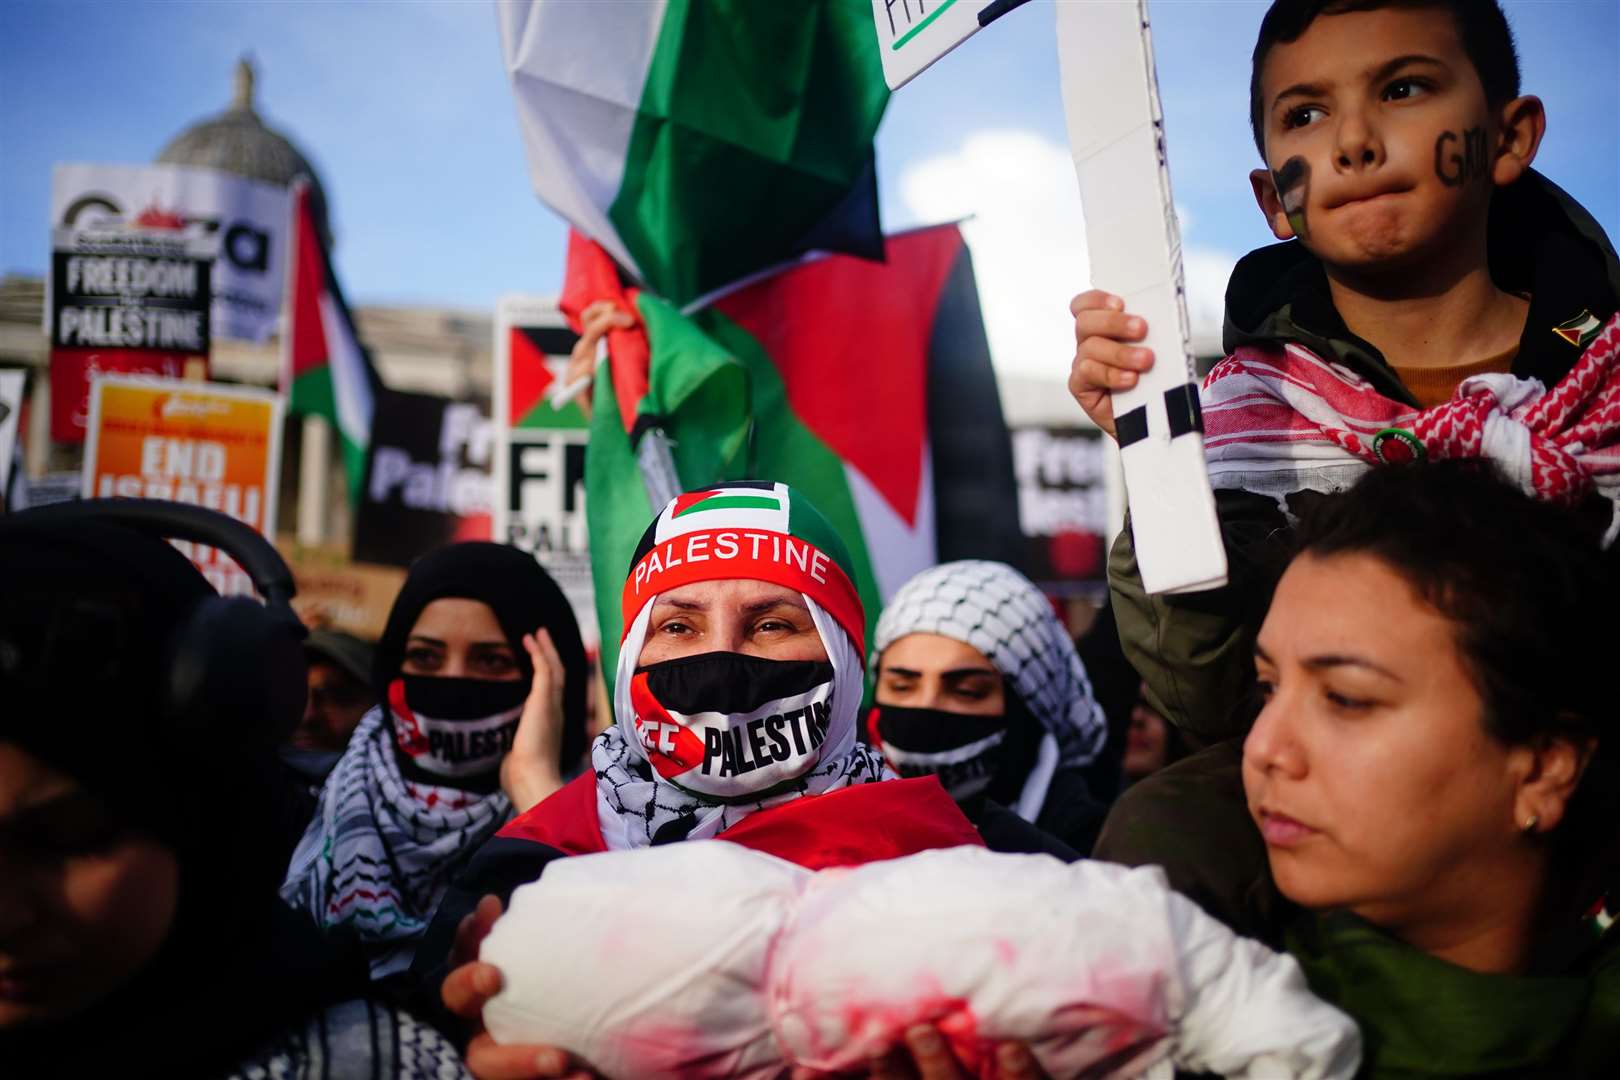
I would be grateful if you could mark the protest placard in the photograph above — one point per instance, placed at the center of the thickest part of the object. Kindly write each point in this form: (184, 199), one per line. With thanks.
(246, 219)
(1063, 506)
(912, 34)
(188, 442)
(124, 300)
(337, 594)
(11, 399)
(540, 451)
(427, 478)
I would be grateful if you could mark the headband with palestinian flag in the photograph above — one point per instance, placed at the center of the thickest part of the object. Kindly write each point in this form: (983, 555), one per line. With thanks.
(755, 530)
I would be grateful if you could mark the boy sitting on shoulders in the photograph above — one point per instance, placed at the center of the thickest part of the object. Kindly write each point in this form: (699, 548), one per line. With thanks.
(1398, 149)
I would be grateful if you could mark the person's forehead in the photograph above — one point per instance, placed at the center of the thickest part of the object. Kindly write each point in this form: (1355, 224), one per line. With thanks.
(325, 670)
(457, 617)
(1353, 605)
(729, 592)
(934, 652)
(1356, 43)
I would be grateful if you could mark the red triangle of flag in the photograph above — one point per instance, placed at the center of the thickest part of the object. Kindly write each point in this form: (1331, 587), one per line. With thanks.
(842, 330)
(530, 375)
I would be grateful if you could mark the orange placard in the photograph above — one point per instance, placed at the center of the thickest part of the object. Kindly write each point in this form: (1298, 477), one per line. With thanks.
(189, 442)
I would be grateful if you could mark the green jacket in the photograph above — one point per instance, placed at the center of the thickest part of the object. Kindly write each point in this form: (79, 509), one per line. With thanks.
(1419, 1016)
(1195, 651)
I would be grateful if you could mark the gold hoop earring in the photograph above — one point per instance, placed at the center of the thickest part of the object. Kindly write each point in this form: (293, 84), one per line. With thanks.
(1531, 822)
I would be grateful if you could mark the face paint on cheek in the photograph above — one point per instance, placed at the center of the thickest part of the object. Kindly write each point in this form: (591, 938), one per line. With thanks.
(1459, 159)
(1293, 183)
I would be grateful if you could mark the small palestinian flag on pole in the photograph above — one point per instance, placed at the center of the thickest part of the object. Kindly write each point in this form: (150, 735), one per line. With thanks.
(325, 370)
(866, 387)
(701, 141)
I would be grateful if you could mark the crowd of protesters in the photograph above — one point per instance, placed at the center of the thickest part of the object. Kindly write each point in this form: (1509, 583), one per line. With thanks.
(1383, 758)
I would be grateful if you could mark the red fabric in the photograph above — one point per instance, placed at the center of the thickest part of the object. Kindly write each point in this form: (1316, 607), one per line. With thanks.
(591, 276)
(841, 322)
(755, 554)
(1570, 426)
(858, 824)
(565, 820)
(846, 827)
(305, 331)
(530, 376)
(1261, 400)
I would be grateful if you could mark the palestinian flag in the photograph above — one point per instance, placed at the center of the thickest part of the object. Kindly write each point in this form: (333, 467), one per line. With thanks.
(701, 141)
(539, 358)
(867, 387)
(325, 370)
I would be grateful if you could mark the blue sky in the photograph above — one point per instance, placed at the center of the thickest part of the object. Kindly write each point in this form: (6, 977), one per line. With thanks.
(405, 110)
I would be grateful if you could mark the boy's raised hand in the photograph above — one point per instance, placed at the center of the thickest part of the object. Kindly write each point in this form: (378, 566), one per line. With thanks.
(1104, 359)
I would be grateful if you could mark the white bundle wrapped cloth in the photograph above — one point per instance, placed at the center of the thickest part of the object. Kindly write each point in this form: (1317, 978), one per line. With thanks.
(647, 962)
(1100, 969)
(708, 959)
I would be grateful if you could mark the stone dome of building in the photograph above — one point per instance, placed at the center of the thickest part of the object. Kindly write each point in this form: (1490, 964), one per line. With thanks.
(238, 141)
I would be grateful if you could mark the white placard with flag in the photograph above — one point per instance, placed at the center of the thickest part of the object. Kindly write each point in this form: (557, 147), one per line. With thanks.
(539, 457)
(912, 34)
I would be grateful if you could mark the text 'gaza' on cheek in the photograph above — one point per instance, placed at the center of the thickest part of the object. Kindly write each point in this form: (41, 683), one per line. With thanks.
(1459, 160)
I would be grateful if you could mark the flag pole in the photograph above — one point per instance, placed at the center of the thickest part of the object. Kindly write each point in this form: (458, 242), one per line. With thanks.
(315, 436)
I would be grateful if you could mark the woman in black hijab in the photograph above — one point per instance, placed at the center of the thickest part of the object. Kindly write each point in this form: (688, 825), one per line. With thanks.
(140, 930)
(482, 680)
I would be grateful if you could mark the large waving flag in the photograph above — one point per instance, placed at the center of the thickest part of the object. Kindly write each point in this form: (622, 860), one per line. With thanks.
(701, 141)
(325, 370)
(866, 386)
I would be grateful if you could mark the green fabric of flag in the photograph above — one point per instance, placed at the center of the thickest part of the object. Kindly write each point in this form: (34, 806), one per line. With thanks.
(701, 142)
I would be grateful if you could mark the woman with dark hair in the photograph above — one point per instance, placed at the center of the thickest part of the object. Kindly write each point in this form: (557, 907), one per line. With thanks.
(140, 930)
(483, 678)
(1432, 775)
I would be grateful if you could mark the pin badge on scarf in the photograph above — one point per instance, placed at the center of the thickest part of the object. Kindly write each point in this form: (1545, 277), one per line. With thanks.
(1397, 446)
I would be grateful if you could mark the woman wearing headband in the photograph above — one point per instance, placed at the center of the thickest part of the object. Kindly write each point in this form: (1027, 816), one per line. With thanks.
(482, 678)
(737, 691)
(979, 684)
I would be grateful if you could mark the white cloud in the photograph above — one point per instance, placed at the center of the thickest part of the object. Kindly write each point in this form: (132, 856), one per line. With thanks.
(1026, 234)
(1206, 271)
(1028, 240)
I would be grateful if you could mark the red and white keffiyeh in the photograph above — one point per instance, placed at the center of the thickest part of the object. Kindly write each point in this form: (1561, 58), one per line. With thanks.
(1279, 419)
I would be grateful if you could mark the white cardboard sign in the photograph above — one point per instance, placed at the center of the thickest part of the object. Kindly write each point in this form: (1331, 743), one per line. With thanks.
(912, 34)
(1116, 133)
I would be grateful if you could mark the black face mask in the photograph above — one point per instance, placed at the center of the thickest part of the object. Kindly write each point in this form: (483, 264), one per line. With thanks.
(455, 730)
(726, 725)
(965, 752)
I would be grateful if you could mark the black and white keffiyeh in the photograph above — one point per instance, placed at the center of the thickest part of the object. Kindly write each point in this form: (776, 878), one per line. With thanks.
(355, 1040)
(999, 612)
(381, 850)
